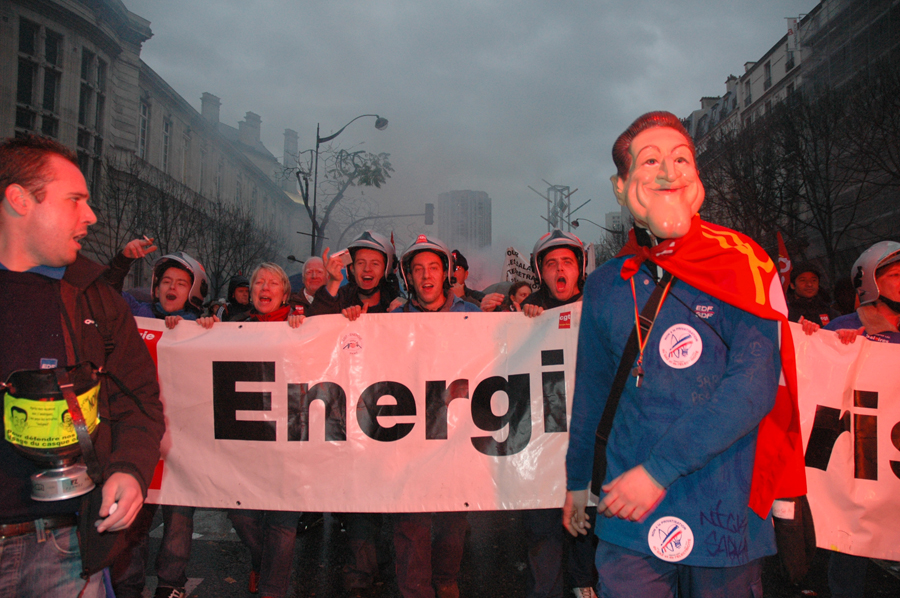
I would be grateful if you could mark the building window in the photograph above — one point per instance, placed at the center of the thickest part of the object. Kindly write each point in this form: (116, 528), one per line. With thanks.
(38, 79)
(768, 80)
(202, 171)
(789, 61)
(143, 129)
(220, 170)
(748, 97)
(91, 105)
(167, 142)
(185, 157)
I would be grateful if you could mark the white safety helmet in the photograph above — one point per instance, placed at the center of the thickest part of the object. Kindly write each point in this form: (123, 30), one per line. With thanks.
(554, 240)
(424, 243)
(866, 266)
(182, 261)
(371, 240)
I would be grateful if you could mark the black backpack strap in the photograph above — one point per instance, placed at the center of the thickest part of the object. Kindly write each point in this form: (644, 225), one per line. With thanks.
(93, 298)
(648, 315)
(92, 295)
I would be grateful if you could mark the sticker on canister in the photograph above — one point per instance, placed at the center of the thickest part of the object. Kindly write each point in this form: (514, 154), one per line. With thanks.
(680, 346)
(670, 539)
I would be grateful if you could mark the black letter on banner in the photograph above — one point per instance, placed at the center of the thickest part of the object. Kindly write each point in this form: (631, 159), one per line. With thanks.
(554, 386)
(437, 399)
(227, 401)
(827, 426)
(335, 401)
(865, 436)
(895, 440)
(368, 410)
(517, 417)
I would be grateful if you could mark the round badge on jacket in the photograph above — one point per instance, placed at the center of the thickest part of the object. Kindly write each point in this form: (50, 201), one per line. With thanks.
(680, 346)
(670, 539)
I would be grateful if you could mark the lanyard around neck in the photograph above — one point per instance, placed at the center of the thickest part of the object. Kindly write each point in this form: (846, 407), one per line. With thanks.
(638, 371)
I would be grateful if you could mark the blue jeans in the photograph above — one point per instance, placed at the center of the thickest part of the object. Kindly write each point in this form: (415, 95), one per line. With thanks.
(423, 563)
(30, 568)
(625, 573)
(270, 537)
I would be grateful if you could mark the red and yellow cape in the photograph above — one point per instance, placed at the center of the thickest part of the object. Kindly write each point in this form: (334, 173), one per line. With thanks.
(733, 268)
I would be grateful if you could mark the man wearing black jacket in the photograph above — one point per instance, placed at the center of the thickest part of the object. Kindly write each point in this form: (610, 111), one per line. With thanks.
(56, 312)
(368, 291)
(559, 260)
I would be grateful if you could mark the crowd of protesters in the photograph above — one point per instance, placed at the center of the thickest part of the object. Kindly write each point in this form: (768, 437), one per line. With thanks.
(46, 281)
(427, 277)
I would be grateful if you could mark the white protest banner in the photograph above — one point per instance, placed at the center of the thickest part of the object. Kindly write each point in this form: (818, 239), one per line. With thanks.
(517, 268)
(850, 418)
(248, 425)
(390, 413)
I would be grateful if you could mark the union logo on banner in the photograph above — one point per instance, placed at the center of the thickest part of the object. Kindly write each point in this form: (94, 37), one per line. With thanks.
(565, 320)
(151, 338)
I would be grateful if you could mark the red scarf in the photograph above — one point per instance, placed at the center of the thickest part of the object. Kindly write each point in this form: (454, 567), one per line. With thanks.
(734, 269)
(279, 315)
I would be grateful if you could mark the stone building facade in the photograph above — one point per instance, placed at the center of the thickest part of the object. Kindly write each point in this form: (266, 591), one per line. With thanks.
(71, 69)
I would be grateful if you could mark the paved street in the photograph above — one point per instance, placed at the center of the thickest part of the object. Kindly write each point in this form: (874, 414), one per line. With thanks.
(493, 566)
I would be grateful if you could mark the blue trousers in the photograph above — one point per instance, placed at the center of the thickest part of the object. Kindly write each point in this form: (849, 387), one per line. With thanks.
(45, 564)
(625, 574)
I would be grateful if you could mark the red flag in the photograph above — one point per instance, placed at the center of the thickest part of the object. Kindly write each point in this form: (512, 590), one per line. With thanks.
(784, 264)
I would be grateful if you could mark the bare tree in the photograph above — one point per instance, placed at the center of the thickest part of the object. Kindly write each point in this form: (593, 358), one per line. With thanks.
(609, 244)
(342, 171)
(172, 213)
(830, 180)
(742, 171)
(118, 206)
(875, 120)
(819, 167)
(231, 241)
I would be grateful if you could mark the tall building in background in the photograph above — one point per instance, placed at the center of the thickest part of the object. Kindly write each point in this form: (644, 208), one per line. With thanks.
(464, 219)
(614, 221)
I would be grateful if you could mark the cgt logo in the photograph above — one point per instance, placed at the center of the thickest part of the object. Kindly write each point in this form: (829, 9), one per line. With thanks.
(565, 320)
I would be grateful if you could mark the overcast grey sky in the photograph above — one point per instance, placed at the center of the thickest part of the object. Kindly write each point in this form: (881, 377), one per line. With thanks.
(489, 95)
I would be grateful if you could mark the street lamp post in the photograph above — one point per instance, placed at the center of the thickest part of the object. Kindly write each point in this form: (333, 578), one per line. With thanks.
(380, 124)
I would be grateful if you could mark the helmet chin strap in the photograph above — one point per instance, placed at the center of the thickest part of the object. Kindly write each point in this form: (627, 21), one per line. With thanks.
(894, 306)
(368, 292)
